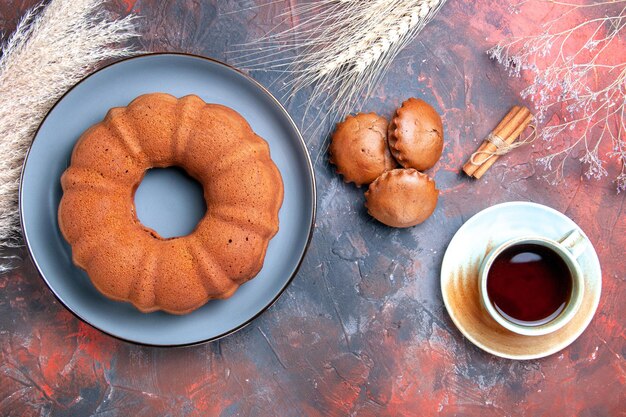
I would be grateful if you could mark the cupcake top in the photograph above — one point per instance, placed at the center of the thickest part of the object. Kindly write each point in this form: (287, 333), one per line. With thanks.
(402, 198)
(416, 135)
(359, 148)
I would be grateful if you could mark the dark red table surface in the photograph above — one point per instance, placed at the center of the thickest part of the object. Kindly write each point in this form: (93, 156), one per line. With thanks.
(362, 330)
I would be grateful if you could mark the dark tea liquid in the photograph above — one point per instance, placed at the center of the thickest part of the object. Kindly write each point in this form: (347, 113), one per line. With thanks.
(529, 284)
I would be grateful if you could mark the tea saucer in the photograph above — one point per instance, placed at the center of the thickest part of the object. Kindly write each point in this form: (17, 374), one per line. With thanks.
(459, 278)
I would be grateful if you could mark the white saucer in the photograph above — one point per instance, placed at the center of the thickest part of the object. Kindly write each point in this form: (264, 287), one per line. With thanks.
(459, 278)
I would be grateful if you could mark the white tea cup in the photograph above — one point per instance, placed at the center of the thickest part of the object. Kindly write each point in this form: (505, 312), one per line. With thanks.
(568, 248)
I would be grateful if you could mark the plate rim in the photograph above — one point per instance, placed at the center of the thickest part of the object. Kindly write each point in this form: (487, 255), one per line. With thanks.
(309, 167)
(469, 336)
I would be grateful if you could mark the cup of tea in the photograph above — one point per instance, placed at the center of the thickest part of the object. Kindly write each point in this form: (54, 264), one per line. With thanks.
(533, 285)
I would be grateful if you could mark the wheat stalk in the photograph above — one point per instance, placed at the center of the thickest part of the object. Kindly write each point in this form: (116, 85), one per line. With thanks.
(52, 48)
(339, 48)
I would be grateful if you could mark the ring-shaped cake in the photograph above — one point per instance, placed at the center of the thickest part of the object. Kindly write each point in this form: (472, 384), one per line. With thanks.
(128, 261)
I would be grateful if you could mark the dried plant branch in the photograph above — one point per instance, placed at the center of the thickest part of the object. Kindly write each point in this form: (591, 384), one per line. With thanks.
(339, 48)
(52, 48)
(585, 79)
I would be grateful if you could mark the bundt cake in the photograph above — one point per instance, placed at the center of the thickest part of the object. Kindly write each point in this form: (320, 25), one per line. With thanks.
(128, 261)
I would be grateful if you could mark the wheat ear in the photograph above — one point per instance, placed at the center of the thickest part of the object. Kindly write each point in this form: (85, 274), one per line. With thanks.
(52, 48)
(340, 49)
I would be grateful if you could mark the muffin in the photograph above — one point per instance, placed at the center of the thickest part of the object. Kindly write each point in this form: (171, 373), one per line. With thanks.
(359, 148)
(402, 198)
(416, 135)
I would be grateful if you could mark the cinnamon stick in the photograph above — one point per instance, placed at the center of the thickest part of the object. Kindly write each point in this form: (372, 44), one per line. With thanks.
(469, 168)
(512, 138)
(508, 130)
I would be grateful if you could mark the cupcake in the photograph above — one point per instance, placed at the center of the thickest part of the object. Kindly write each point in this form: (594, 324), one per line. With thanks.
(402, 198)
(416, 135)
(359, 148)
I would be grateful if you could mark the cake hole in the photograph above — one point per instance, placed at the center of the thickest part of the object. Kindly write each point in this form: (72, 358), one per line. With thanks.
(170, 202)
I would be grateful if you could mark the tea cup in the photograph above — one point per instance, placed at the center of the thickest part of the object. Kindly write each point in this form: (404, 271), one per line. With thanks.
(568, 249)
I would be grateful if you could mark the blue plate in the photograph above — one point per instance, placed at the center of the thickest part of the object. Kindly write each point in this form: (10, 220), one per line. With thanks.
(87, 103)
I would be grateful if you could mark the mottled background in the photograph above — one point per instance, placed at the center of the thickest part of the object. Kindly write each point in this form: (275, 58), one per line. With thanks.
(362, 330)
